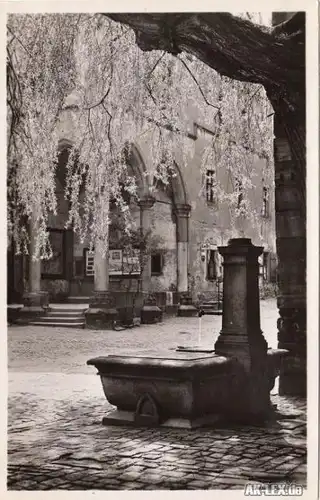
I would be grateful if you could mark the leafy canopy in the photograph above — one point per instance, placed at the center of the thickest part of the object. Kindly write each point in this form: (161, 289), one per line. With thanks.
(87, 69)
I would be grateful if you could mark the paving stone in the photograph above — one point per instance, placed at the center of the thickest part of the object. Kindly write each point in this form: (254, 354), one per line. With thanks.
(25, 485)
(251, 454)
(273, 464)
(230, 457)
(129, 476)
(243, 461)
(291, 424)
(185, 461)
(286, 466)
(199, 485)
(151, 479)
(62, 414)
(302, 468)
(189, 476)
(230, 480)
(132, 485)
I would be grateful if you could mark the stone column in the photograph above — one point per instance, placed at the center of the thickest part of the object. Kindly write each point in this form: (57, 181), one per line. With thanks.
(34, 265)
(101, 269)
(145, 204)
(241, 336)
(69, 239)
(182, 212)
(291, 250)
(102, 312)
(35, 300)
(150, 312)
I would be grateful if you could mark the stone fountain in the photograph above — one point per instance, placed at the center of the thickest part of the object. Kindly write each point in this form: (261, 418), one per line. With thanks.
(189, 389)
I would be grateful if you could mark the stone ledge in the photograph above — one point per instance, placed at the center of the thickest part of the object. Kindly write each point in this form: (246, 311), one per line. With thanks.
(13, 314)
(150, 314)
(100, 318)
(187, 310)
(183, 384)
(186, 364)
(127, 418)
(27, 314)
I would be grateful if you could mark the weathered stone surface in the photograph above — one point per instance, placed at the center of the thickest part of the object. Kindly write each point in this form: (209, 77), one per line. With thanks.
(241, 336)
(57, 404)
(291, 250)
(100, 318)
(150, 314)
(183, 385)
(187, 310)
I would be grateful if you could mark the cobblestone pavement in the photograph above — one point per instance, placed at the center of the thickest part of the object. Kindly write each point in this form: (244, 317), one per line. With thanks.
(38, 349)
(56, 404)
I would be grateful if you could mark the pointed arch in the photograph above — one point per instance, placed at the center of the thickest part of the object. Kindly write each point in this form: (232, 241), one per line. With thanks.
(64, 143)
(179, 192)
(138, 166)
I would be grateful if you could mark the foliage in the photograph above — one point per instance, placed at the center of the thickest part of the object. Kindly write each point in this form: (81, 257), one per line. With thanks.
(121, 94)
(268, 290)
(40, 74)
(145, 241)
(243, 135)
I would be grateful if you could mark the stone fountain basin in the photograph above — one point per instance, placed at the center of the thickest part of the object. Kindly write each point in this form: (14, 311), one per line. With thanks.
(175, 389)
(172, 388)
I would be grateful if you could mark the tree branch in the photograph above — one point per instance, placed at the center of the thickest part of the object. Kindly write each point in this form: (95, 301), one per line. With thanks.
(240, 50)
(101, 101)
(233, 46)
(197, 83)
(18, 39)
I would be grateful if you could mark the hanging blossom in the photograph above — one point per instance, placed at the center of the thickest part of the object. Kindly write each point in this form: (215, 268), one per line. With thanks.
(123, 95)
(97, 171)
(242, 129)
(243, 134)
(40, 75)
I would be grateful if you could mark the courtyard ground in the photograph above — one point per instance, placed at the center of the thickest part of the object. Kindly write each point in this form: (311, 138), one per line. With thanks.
(56, 404)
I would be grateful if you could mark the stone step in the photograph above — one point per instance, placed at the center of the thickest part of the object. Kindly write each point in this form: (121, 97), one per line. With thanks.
(210, 302)
(78, 300)
(206, 307)
(61, 319)
(68, 314)
(67, 311)
(211, 310)
(56, 324)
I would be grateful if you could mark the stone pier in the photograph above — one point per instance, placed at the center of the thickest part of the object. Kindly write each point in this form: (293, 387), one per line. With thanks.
(182, 213)
(241, 337)
(290, 198)
(146, 203)
(35, 301)
(291, 250)
(101, 313)
(150, 312)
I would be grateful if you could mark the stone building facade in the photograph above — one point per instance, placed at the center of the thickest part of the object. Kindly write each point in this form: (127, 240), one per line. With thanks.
(186, 220)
